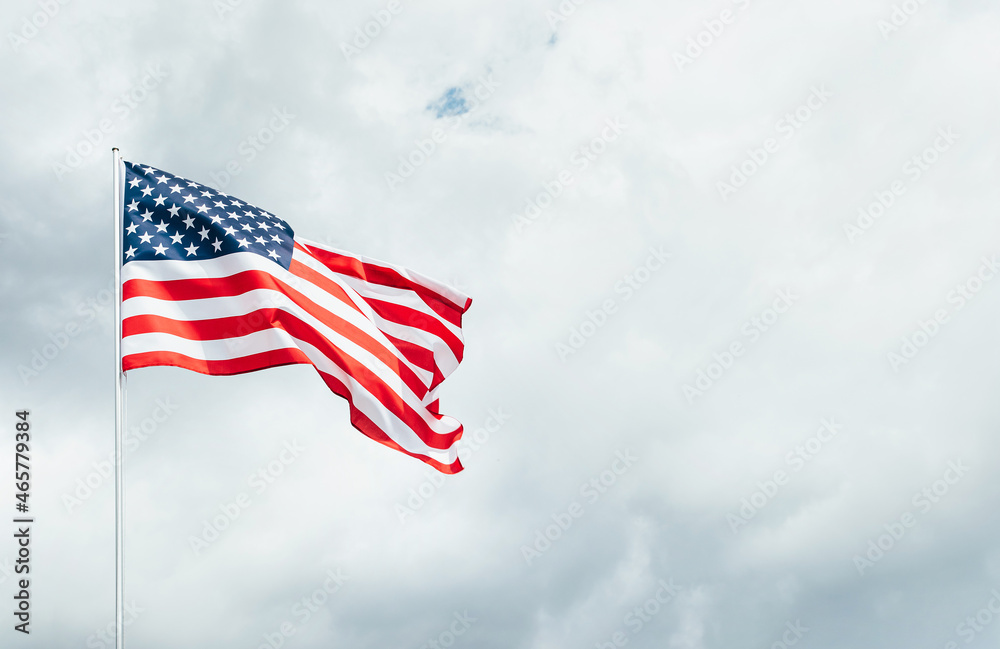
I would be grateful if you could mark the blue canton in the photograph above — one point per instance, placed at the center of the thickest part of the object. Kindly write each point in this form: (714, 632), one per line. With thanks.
(167, 217)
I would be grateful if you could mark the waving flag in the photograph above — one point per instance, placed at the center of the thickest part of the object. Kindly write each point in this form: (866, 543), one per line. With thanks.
(218, 286)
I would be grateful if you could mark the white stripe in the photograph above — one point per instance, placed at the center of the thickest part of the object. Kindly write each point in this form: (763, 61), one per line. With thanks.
(164, 270)
(209, 350)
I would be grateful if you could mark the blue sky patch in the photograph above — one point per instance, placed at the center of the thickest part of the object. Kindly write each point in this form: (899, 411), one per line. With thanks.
(451, 103)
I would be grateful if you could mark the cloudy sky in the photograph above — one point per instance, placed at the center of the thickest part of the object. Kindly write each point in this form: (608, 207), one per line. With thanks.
(731, 365)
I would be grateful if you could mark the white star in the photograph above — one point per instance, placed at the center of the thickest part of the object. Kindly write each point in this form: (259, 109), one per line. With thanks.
(130, 252)
(206, 194)
(243, 243)
(276, 238)
(159, 200)
(189, 222)
(147, 191)
(146, 214)
(263, 226)
(144, 238)
(188, 198)
(162, 227)
(161, 180)
(134, 182)
(233, 215)
(204, 233)
(220, 205)
(149, 170)
(133, 206)
(177, 238)
(160, 249)
(191, 184)
(230, 231)
(236, 204)
(174, 210)
(202, 208)
(261, 240)
(272, 254)
(175, 189)
(191, 250)
(216, 218)
(248, 213)
(217, 245)
(132, 228)
(248, 227)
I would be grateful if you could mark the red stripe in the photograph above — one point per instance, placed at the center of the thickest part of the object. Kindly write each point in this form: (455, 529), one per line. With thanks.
(375, 274)
(419, 356)
(241, 365)
(389, 398)
(274, 359)
(201, 288)
(410, 317)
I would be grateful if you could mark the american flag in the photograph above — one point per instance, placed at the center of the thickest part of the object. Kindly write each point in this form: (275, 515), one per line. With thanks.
(218, 286)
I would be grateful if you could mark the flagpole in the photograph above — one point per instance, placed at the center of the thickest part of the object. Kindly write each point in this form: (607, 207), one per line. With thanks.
(119, 415)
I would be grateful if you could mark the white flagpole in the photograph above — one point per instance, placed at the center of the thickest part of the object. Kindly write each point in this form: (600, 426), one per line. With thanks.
(119, 414)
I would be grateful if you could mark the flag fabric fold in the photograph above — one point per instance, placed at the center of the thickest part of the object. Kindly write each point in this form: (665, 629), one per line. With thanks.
(218, 286)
